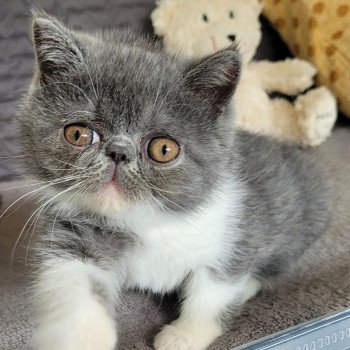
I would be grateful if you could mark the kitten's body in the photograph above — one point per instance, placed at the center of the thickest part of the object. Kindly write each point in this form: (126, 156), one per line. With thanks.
(229, 216)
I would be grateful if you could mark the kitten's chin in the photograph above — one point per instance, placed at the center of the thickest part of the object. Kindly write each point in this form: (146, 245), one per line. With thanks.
(107, 201)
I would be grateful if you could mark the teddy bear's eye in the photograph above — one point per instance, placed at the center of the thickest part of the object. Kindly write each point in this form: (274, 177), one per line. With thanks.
(231, 14)
(205, 17)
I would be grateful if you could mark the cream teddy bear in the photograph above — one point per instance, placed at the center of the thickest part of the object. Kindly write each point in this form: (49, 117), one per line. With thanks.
(199, 27)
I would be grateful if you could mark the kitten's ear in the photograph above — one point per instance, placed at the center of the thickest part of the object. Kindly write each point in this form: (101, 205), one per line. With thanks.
(215, 77)
(55, 46)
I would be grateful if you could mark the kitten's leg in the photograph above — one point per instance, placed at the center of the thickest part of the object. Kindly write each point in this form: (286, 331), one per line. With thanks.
(206, 300)
(74, 300)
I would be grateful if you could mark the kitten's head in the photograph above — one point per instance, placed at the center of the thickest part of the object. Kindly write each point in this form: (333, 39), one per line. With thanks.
(113, 121)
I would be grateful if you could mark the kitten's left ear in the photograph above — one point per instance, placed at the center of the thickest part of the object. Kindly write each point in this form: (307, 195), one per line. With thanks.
(215, 77)
(55, 45)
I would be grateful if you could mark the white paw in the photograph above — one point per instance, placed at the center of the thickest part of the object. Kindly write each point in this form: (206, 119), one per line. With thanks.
(318, 113)
(173, 338)
(187, 335)
(91, 329)
(298, 74)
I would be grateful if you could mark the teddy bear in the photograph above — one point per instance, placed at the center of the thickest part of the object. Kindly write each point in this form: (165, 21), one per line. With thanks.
(196, 28)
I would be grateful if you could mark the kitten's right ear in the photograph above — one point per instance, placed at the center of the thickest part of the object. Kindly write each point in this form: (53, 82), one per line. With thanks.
(56, 48)
(215, 77)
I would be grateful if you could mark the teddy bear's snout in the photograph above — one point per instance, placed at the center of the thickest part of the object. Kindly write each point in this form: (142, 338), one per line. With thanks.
(232, 37)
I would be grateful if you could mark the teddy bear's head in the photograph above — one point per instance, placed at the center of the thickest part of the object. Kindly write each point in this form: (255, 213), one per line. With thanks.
(201, 27)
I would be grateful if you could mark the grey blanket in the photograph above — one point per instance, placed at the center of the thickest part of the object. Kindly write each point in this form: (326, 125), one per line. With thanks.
(317, 291)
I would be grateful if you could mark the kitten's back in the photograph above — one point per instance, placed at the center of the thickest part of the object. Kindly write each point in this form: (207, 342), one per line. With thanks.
(287, 206)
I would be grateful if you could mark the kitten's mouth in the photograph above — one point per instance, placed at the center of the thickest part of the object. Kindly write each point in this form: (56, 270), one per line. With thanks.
(112, 185)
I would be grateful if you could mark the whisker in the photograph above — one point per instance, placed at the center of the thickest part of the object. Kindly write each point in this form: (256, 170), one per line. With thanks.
(79, 192)
(51, 183)
(54, 169)
(40, 209)
(161, 190)
(170, 201)
(10, 157)
(86, 190)
(6, 159)
(148, 184)
(71, 165)
(21, 186)
(163, 206)
(35, 223)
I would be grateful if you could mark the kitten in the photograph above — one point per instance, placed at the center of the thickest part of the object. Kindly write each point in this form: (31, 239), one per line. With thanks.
(149, 187)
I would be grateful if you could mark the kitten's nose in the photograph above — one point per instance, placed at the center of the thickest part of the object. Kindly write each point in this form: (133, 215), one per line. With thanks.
(119, 154)
(118, 158)
(232, 37)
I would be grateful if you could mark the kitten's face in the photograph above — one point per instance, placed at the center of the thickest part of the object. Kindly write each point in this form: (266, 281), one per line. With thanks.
(115, 121)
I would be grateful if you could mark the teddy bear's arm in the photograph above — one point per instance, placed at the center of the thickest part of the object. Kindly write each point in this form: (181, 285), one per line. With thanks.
(288, 77)
(307, 122)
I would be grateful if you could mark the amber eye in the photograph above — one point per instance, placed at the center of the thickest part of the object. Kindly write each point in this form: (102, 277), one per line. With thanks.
(163, 150)
(80, 135)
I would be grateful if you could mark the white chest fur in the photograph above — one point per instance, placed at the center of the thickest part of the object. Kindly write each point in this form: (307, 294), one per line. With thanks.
(171, 246)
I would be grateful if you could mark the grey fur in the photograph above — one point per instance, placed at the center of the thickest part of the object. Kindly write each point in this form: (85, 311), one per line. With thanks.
(123, 85)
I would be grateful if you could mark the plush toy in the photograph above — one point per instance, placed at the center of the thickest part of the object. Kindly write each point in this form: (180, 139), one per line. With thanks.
(199, 27)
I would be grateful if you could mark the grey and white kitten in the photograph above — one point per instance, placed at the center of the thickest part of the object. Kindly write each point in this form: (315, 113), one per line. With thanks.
(149, 187)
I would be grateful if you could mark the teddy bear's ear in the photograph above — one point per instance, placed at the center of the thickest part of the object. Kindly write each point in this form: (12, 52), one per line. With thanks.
(161, 17)
(215, 77)
(256, 5)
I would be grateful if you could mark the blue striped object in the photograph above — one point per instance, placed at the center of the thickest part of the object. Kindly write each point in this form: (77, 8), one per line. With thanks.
(328, 333)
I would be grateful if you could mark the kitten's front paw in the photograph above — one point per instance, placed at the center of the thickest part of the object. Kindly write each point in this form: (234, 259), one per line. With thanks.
(91, 329)
(173, 338)
(187, 335)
